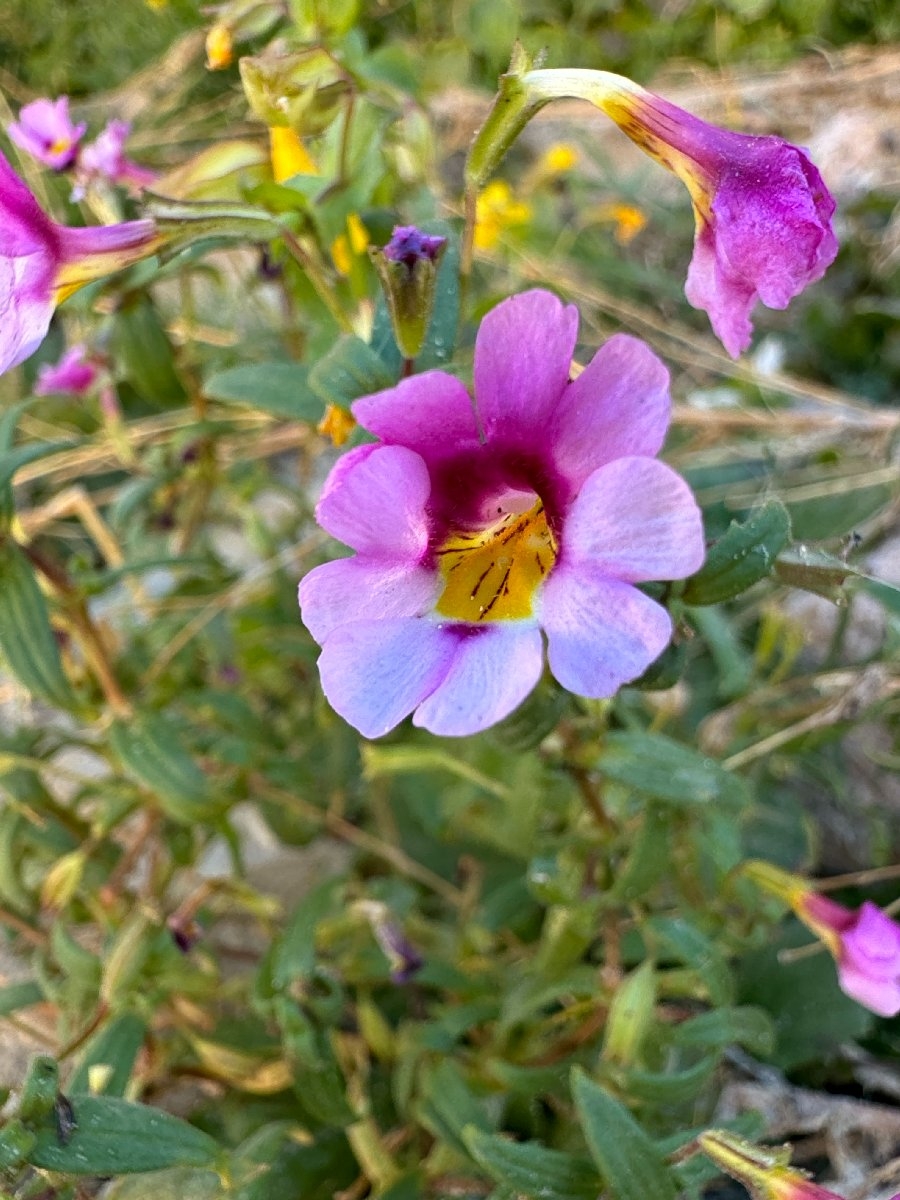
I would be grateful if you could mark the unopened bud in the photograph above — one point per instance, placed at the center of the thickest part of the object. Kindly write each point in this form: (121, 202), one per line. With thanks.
(408, 267)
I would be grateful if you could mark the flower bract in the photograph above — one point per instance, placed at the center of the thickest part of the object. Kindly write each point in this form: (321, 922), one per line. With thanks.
(41, 263)
(476, 525)
(46, 132)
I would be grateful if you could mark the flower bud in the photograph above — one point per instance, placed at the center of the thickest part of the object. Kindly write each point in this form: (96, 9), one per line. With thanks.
(408, 267)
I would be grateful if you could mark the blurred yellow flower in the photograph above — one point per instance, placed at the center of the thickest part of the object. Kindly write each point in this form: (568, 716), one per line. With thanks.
(219, 47)
(559, 158)
(337, 424)
(289, 156)
(497, 209)
(347, 246)
(628, 220)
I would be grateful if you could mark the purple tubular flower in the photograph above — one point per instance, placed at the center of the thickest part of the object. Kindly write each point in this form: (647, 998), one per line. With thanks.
(476, 527)
(104, 158)
(73, 373)
(410, 245)
(763, 212)
(46, 132)
(41, 263)
(866, 948)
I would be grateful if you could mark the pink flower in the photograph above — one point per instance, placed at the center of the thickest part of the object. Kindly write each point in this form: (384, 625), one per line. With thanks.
(105, 158)
(866, 948)
(41, 263)
(73, 373)
(477, 525)
(763, 1170)
(45, 131)
(763, 212)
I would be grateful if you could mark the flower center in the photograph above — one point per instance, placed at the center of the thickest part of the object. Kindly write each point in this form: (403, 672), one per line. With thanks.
(492, 574)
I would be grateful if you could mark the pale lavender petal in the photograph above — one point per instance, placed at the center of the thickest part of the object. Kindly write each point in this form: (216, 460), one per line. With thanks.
(881, 996)
(45, 130)
(600, 633)
(25, 307)
(523, 353)
(431, 413)
(635, 520)
(495, 667)
(869, 960)
(354, 589)
(377, 506)
(723, 295)
(619, 405)
(374, 673)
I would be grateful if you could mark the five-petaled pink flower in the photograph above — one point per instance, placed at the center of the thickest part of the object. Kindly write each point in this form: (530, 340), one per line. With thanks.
(763, 212)
(539, 506)
(865, 945)
(41, 263)
(105, 158)
(46, 132)
(74, 373)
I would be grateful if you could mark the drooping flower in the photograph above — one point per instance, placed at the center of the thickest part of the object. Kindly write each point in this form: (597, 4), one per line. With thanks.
(763, 1170)
(478, 525)
(74, 373)
(865, 943)
(104, 158)
(41, 263)
(763, 212)
(46, 132)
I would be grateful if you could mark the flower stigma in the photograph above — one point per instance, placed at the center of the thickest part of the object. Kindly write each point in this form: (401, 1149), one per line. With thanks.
(493, 574)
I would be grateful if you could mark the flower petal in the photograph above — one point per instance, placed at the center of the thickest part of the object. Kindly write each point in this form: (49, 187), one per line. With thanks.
(25, 307)
(495, 668)
(600, 633)
(635, 519)
(523, 352)
(355, 589)
(375, 502)
(619, 405)
(724, 296)
(881, 996)
(374, 673)
(431, 413)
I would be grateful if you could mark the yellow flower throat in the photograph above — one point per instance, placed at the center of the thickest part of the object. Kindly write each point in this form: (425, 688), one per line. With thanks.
(494, 573)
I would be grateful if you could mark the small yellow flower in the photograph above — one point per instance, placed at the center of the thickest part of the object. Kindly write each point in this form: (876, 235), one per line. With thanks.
(289, 156)
(219, 47)
(628, 220)
(559, 158)
(337, 424)
(347, 246)
(496, 210)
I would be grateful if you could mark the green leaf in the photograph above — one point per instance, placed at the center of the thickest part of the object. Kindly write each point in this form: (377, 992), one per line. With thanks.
(647, 860)
(114, 1137)
(629, 1162)
(448, 1106)
(26, 637)
(151, 754)
(660, 767)
(116, 1048)
(176, 1183)
(20, 995)
(280, 388)
(697, 951)
(350, 369)
(295, 954)
(532, 1169)
(664, 1088)
(749, 1027)
(814, 571)
(742, 556)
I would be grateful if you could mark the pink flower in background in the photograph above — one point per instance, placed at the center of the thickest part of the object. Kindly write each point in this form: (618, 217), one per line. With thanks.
(46, 132)
(41, 263)
(73, 373)
(104, 158)
(763, 212)
(478, 525)
(866, 948)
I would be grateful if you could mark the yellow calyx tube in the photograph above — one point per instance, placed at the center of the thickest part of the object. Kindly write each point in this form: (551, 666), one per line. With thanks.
(494, 573)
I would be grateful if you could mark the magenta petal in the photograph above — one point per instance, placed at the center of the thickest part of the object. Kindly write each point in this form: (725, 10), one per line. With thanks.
(724, 296)
(375, 503)
(881, 996)
(523, 353)
(869, 961)
(374, 673)
(430, 413)
(353, 589)
(619, 405)
(495, 668)
(600, 633)
(635, 519)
